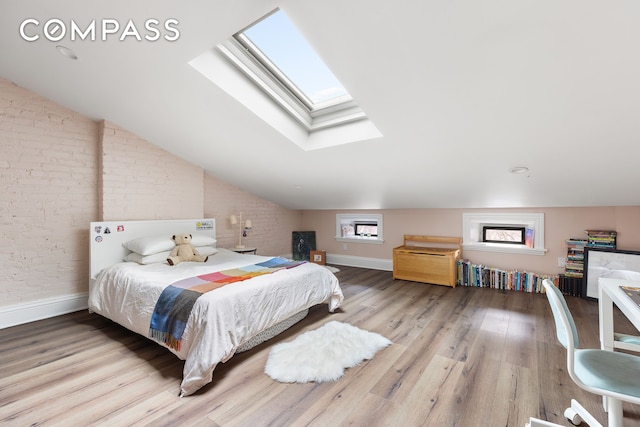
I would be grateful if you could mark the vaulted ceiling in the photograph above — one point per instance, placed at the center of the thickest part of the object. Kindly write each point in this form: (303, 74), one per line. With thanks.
(462, 91)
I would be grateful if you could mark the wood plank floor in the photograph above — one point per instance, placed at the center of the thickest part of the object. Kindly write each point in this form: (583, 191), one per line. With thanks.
(460, 357)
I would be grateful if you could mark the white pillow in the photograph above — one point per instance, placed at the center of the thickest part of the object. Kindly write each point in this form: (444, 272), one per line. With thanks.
(148, 259)
(150, 245)
(198, 240)
(162, 256)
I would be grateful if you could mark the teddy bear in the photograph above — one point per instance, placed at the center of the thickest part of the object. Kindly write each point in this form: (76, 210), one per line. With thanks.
(184, 251)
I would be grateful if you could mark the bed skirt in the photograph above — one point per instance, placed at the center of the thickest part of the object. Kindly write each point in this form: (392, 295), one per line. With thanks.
(271, 332)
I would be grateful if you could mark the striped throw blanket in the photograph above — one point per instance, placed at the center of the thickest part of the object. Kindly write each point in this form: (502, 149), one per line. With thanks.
(173, 308)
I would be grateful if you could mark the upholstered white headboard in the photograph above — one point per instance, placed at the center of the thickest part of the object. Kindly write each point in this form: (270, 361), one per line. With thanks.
(107, 237)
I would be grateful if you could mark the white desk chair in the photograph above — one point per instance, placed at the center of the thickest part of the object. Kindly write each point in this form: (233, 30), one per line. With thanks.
(535, 422)
(606, 373)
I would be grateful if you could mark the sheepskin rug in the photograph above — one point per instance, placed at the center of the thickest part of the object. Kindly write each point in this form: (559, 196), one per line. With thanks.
(323, 354)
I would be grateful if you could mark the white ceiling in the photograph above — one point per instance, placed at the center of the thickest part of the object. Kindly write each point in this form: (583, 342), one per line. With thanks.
(461, 91)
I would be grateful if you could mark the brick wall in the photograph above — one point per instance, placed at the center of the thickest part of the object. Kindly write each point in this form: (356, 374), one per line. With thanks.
(48, 181)
(60, 170)
(142, 181)
(272, 224)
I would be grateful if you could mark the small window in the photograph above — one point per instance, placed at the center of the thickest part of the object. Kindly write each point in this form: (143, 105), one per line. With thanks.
(366, 229)
(508, 235)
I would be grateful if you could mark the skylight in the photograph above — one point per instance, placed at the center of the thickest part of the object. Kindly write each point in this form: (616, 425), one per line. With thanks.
(273, 71)
(276, 57)
(280, 47)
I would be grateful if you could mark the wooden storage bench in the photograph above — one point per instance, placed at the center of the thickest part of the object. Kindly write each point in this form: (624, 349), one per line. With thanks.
(419, 262)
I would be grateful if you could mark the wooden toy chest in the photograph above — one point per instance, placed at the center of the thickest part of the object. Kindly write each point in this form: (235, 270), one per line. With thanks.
(419, 262)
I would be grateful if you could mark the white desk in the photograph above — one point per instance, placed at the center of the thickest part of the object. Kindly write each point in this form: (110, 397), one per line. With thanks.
(609, 293)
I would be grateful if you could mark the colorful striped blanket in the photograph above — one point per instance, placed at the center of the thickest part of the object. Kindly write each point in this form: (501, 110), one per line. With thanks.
(174, 306)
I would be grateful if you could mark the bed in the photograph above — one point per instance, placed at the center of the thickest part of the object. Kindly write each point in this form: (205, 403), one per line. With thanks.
(251, 294)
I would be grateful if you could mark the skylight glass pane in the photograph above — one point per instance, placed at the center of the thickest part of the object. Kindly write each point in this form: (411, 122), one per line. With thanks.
(286, 48)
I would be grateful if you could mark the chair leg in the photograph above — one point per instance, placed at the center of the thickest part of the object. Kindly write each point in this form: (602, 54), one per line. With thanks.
(614, 411)
(577, 413)
(573, 416)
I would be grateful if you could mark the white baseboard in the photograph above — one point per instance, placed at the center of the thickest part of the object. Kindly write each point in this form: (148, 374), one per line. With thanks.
(43, 309)
(362, 262)
(356, 261)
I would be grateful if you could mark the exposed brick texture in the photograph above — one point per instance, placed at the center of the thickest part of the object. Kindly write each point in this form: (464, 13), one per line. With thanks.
(48, 181)
(60, 170)
(142, 181)
(272, 224)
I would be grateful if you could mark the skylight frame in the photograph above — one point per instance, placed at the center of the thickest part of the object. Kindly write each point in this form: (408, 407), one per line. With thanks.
(243, 53)
(263, 58)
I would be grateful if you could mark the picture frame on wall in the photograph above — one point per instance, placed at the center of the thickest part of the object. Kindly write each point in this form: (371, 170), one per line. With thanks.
(302, 243)
(608, 263)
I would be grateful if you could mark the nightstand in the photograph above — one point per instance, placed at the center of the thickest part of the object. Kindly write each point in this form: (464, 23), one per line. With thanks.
(244, 250)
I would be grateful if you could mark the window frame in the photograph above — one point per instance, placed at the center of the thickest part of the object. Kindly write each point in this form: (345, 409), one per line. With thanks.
(266, 62)
(472, 224)
(360, 218)
(248, 58)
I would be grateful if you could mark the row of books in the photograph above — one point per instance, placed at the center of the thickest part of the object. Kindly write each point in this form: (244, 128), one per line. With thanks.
(570, 285)
(482, 276)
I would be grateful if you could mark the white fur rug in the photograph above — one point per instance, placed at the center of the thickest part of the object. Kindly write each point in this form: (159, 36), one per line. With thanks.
(323, 354)
(332, 269)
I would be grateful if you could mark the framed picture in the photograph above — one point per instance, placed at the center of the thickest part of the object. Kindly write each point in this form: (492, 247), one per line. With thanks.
(608, 263)
(303, 242)
(318, 257)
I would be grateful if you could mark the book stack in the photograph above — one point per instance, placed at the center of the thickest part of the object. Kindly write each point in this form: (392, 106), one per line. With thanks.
(574, 266)
(604, 239)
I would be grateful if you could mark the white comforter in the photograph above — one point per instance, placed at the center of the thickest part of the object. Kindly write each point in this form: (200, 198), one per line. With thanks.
(222, 319)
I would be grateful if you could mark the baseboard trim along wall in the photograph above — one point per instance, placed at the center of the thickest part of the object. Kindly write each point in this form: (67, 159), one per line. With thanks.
(362, 262)
(356, 261)
(43, 309)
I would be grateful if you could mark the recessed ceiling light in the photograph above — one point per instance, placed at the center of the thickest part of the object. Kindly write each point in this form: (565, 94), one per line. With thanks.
(519, 170)
(67, 52)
